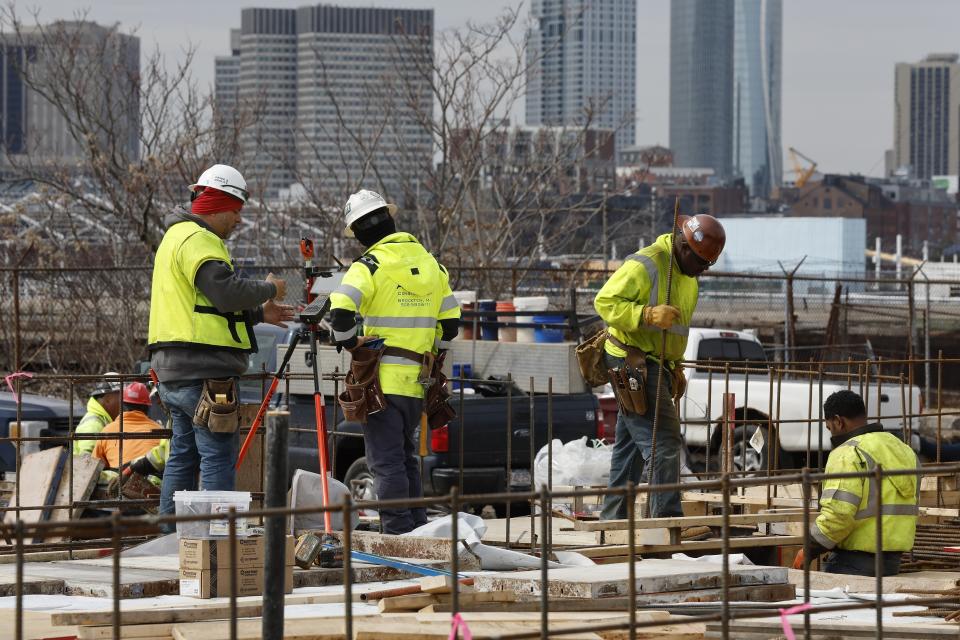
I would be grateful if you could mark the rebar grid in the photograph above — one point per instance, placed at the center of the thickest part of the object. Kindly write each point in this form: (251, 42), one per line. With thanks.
(726, 484)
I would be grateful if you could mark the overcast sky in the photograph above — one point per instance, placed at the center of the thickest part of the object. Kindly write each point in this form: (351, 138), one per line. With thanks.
(838, 63)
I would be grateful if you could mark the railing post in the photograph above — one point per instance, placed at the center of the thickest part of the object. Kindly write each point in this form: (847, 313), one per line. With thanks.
(275, 529)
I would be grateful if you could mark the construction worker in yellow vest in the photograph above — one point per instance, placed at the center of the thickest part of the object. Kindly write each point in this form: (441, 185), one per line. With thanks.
(202, 315)
(847, 524)
(633, 304)
(103, 407)
(404, 297)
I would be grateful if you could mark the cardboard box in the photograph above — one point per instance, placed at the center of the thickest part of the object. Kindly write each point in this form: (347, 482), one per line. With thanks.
(216, 583)
(201, 555)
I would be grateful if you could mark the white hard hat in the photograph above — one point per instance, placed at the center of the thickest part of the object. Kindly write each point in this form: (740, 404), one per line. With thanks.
(104, 387)
(360, 204)
(226, 179)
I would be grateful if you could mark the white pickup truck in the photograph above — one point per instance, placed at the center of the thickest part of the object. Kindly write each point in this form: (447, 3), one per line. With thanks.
(702, 406)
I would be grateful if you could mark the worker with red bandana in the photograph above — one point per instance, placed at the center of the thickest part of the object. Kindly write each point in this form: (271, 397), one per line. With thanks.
(202, 315)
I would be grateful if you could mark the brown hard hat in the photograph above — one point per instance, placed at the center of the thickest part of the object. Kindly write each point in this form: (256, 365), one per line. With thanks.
(704, 234)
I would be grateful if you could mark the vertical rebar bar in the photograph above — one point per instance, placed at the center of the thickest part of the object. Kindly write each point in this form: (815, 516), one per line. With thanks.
(509, 504)
(115, 547)
(16, 321)
(770, 466)
(820, 424)
(809, 412)
(533, 479)
(549, 540)
(544, 563)
(878, 557)
(455, 549)
(905, 430)
(461, 425)
(725, 555)
(632, 559)
(746, 428)
(805, 492)
(18, 623)
(709, 415)
(348, 566)
(939, 401)
(70, 514)
(725, 436)
(777, 426)
(232, 524)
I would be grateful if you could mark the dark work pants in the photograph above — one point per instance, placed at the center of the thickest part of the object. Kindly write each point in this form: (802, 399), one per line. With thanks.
(861, 563)
(390, 440)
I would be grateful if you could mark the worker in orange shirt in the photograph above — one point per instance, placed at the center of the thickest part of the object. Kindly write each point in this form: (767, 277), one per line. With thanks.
(136, 403)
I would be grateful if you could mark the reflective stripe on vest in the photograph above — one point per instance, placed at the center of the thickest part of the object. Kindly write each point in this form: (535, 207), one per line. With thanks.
(654, 274)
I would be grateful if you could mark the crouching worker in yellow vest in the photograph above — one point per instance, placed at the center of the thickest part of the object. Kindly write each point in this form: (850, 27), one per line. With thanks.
(102, 408)
(404, 297)
(847, 524)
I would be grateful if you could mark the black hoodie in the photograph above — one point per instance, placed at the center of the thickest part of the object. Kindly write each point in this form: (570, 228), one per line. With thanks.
(228, 292)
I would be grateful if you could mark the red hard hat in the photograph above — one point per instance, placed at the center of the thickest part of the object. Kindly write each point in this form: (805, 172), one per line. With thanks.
(137, 393)
(704, 234)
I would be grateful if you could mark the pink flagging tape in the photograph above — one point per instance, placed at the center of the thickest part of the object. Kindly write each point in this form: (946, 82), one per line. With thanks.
(785, 621)
(13, 376)
(457, 622)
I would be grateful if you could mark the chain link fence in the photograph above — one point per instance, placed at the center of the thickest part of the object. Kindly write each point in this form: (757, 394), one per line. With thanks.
(90, 320)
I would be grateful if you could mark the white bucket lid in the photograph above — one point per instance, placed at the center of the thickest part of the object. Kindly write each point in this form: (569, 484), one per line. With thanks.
(531, 303)
(465, 296)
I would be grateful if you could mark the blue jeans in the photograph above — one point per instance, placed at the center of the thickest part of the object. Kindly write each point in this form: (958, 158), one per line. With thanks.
(194, 447)
(861, 563)
(631, 450)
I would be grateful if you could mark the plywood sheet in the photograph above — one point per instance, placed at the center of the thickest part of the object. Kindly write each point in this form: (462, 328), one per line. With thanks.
(37, 473)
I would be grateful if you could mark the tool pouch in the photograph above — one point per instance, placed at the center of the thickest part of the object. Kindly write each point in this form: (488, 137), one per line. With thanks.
(590, 357)
(362, 394)
(436, 403)
(629, 386)
(222, 416)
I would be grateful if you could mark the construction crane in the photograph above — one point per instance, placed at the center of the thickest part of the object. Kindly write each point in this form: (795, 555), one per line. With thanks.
(803, 173)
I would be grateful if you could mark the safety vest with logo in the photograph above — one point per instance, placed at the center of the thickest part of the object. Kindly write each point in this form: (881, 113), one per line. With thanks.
(402, 292)
(848, 511)
(180, 315)
(640, 282)
(93, 421)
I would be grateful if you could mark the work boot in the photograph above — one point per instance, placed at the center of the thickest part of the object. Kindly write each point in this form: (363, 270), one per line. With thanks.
(695, 532)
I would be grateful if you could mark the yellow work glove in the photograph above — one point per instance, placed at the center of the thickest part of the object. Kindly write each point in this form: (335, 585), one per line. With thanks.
(661, 316)
(679, 382)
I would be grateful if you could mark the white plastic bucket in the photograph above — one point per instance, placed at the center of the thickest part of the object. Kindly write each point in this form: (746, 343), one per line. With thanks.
(533, 304)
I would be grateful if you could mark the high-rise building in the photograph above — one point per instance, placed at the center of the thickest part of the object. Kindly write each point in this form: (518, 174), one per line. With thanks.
(701, 84)
(757, 72)
(313, 78)
(102, 62)
(927, 116)
(582, 60)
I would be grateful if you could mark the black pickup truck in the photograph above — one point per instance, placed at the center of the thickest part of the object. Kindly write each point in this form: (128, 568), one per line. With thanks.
(485, 434)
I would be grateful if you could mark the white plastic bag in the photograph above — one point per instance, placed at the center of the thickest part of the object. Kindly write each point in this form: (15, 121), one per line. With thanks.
(576, 463)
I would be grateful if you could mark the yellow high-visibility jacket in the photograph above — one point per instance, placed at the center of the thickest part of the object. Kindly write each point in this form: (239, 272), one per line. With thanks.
(93, 421)
(402, 292)
(848, 515)
(639, 282)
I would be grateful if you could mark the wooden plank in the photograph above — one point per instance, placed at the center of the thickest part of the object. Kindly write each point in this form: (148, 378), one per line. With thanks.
(686, 521)
(778, 501)
(835, 627)
(86, 472)
(411, 602)
(747, 542)
(135, 631)
(37, 472)
(652, 576)
(927, 580)
(247, 607)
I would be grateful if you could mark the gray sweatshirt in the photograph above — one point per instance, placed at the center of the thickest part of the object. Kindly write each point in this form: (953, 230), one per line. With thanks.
(229, 293)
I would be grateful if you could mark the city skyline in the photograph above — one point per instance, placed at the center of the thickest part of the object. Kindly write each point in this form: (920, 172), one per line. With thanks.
(838, 59)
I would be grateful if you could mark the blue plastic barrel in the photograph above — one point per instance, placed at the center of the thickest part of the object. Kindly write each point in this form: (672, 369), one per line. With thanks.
(548, 334)
(488, 321)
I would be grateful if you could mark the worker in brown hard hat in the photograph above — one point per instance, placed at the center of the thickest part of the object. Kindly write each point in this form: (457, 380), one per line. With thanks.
(633, 305)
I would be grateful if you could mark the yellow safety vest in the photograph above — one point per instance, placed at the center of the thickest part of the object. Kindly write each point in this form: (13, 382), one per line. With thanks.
(642, 281)
(848, 515)
(93, 421)
(180, 315)
(402, 292)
